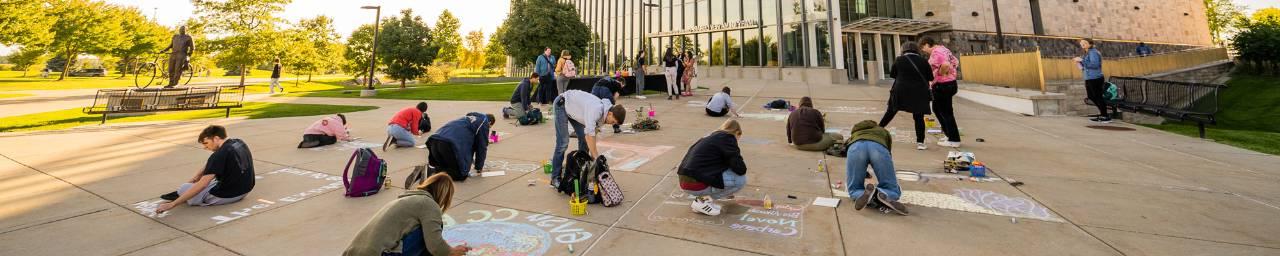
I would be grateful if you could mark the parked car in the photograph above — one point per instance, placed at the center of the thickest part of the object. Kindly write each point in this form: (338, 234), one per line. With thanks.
(89, 72)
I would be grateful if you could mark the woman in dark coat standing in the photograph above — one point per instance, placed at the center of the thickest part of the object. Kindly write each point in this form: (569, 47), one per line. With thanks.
(911, 75)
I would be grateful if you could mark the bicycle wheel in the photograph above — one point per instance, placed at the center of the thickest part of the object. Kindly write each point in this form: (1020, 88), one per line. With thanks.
(145, 75)
(188, 74)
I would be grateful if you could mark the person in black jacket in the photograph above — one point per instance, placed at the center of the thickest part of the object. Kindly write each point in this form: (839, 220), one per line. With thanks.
(713, 168)
(911, 75)
(671, 62)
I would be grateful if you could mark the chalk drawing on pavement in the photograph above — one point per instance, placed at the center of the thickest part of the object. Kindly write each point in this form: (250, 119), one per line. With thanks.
(783, 220)
(627, 157)
(851, 110)
(1006, 205)
(505, 232)
(503, 165)
(765, 116)
(347, 146)
(326, 183)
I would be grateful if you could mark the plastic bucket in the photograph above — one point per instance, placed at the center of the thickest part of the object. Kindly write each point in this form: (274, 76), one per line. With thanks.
(577, 207)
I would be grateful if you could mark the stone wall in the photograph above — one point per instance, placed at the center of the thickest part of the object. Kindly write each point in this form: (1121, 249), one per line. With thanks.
(1176, 22)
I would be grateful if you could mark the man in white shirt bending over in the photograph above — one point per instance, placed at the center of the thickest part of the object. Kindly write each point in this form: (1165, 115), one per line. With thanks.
(586, 113)
(721, 104)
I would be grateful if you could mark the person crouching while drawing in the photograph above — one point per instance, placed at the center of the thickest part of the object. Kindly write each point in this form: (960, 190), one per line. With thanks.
(410, 225)
(713, 168)
(871, 146)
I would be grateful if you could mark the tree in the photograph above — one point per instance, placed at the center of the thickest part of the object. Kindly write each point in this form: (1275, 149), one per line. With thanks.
(142, 37)
(357, 51)
(27, 22)
(26, 57)
(473, 58)
(534, 25)
(314, 46)
(405, 46)
(1222, 16)
(84, 27)
(495, 55)
(447, 38)
(249, 26)
(1266, 14)
(1258, 44)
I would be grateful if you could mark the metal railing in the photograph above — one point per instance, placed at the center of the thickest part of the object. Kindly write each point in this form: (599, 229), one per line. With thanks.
(1066, 68)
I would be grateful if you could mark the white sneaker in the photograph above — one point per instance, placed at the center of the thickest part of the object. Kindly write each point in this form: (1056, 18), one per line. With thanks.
(953, 144)
(705, 205)
(920, 146)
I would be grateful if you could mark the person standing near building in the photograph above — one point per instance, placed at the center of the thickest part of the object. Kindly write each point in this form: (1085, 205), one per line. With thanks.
(1094, 82)
(944, 86)
(564, 71)
(641, 59)
(1143, 50)
(671, 63)
(910, 92)
(680, 68)
(275, 76)
(544, 66)
(690, 70)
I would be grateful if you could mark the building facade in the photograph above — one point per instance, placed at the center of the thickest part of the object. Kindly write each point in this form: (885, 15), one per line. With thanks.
(841, 40)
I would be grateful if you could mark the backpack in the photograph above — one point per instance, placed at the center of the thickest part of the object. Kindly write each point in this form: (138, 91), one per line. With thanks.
(576, 167)
(1112, 93)
(606, 189)
(777, 104)
(368, 175)
(840, 149)
(424, 124)
(531, 117)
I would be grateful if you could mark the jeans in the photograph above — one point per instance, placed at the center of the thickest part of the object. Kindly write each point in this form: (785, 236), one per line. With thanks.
(562, 123)
(1094, 88)
(671, 81)
(639, 81)
(411, 245)
(403, 137)
(865, 152)
(732, 184)
(828, 139)
(942, 108)
(204, 198)
(562, 84)
(918, 118)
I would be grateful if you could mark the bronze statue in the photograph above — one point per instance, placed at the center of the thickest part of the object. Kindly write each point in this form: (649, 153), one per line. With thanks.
(182, 47)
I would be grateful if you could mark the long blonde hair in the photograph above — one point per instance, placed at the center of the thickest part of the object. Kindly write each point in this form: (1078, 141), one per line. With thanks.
(732, 127)
(440, 186)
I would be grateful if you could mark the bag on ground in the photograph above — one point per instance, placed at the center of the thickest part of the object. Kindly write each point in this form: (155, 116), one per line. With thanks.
(609, 192)
(839, 149)
(778, 104)
(424, 124)
(364, 173)
(575, 164)
(1112, 93)
(415, 177)
(531, 117)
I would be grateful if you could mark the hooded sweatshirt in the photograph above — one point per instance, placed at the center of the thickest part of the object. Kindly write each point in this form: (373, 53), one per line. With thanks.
(469, 136)
(383, 233)
(708, 159)
(870, 131)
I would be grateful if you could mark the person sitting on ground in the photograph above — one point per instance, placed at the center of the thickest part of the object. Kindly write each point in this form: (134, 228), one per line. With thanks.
(225, 178)
(807, 129)
(403, 126)
(579, 109)
(520, 101)
(610, 89)
(326, 131)
(872, 145)
(713, 168)
(721, 104)
(459, 141)
(412, 224)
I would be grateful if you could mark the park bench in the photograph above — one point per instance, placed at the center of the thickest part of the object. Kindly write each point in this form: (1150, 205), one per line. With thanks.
(1184, 101)
(132, 100)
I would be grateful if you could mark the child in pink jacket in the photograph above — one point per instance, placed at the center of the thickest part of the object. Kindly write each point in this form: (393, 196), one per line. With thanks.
(326, 131)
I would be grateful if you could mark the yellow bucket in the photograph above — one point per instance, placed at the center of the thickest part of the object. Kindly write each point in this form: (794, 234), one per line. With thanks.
(577, 207)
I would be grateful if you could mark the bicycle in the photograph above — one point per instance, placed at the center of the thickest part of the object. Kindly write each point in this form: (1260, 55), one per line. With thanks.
(155, 72)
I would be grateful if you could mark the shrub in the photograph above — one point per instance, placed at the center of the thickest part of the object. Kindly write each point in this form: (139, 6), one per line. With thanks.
(438, 73)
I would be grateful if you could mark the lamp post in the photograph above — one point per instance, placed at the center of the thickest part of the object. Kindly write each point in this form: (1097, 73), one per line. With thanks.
(373, 53)
(995, 8)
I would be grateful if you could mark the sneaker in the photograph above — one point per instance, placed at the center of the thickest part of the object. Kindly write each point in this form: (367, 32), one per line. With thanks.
(555, 184)
(862, 201)
(170, 196)
(895, 206)
(705, 205)
(921, 146)
(668, 97)
(953, 144)
(388, 142)
(1105, 120)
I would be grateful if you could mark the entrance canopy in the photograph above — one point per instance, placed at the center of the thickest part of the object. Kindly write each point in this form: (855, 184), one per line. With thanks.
(897, 26)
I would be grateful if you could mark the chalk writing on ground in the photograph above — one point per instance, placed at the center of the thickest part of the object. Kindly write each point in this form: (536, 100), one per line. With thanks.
(503, 165)
(1006, 205)
(852, 110)
(505, 232)
(335, 182)
(626, 157)
(765, 116)
(784, 220)
(347, 146)
(755, 141)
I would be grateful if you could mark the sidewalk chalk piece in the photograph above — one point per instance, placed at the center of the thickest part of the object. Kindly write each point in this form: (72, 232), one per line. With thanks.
(826, 201)
(492, 173)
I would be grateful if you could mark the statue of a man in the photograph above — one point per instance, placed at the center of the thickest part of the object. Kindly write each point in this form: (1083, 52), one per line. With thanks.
(182, 47)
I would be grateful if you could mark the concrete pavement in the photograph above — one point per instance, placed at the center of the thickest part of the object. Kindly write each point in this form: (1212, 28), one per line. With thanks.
(1087, 191)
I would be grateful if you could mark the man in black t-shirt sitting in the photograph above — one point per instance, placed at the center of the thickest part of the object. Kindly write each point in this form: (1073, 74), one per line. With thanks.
(226, 178)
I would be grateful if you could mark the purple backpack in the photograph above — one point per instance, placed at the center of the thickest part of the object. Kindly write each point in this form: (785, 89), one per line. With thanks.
(370, 172)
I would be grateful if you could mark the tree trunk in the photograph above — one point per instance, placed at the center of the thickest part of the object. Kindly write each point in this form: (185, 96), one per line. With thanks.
(402, 81)
(308, 77)
(24, 72)
(241, 74)
(66, 66)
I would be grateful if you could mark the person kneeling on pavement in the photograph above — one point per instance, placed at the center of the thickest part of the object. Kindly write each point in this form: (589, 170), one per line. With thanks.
(585, 113)
(714, 169)
(404, 126)
(872, 145)
(412, 224)
(226, 177)
(520, 98)
(806, 128)
(326, 131)
(721, 104)
(458, 142)
(609, 89)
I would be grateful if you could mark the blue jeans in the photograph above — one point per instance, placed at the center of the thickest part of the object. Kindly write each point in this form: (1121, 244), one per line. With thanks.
(410, 245)
(562, 136)
(865, 152)
(404, 138)
(732, 184)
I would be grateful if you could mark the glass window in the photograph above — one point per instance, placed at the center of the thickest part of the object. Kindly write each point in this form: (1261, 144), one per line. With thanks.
(751, 9)
(734, 47)
(665, 18)
(770, 44)
(792, 10)
(793, 44)
(717, 49)
(769, 12)
(734, 9)
(717, 12)
(818, 10)
(704, 7)
(822, 38)
(690, 15)
(751, 48)
(703, 48)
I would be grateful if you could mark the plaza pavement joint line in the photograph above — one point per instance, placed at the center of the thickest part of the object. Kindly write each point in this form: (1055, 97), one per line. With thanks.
(628, 212)
(1182, 237)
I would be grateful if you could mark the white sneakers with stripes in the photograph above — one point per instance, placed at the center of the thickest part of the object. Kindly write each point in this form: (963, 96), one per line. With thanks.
(705, 205)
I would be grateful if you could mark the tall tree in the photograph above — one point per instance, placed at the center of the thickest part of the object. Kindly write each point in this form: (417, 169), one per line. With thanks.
(142, 37)
(26, 57)
(315, 47)
(1222, 16)
(1266, 14)
(473, 58)
(534, 25)
(249, 27)
(27, 22)
(84, 26)
(358, 48)
(405, 46)
(495, 55)
(447, 38)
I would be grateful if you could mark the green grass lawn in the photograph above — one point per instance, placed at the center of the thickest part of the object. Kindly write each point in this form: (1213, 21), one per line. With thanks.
(1249, 116)
(13, 95)
(14, 81)
(460, 92)
(68, 118)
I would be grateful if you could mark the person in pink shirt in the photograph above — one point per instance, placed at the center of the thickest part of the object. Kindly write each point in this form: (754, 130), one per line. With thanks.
(944, 87)
(326, 131)
(404, 126)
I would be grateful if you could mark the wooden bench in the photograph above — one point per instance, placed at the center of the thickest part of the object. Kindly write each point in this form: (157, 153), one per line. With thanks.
(120, 101)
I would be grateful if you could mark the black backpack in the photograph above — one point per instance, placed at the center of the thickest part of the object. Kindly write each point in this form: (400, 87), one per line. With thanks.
(424, 124)
(531, 117)
(576, 167)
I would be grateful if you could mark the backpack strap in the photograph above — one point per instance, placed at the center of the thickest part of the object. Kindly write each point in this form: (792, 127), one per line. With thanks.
(345, 170)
